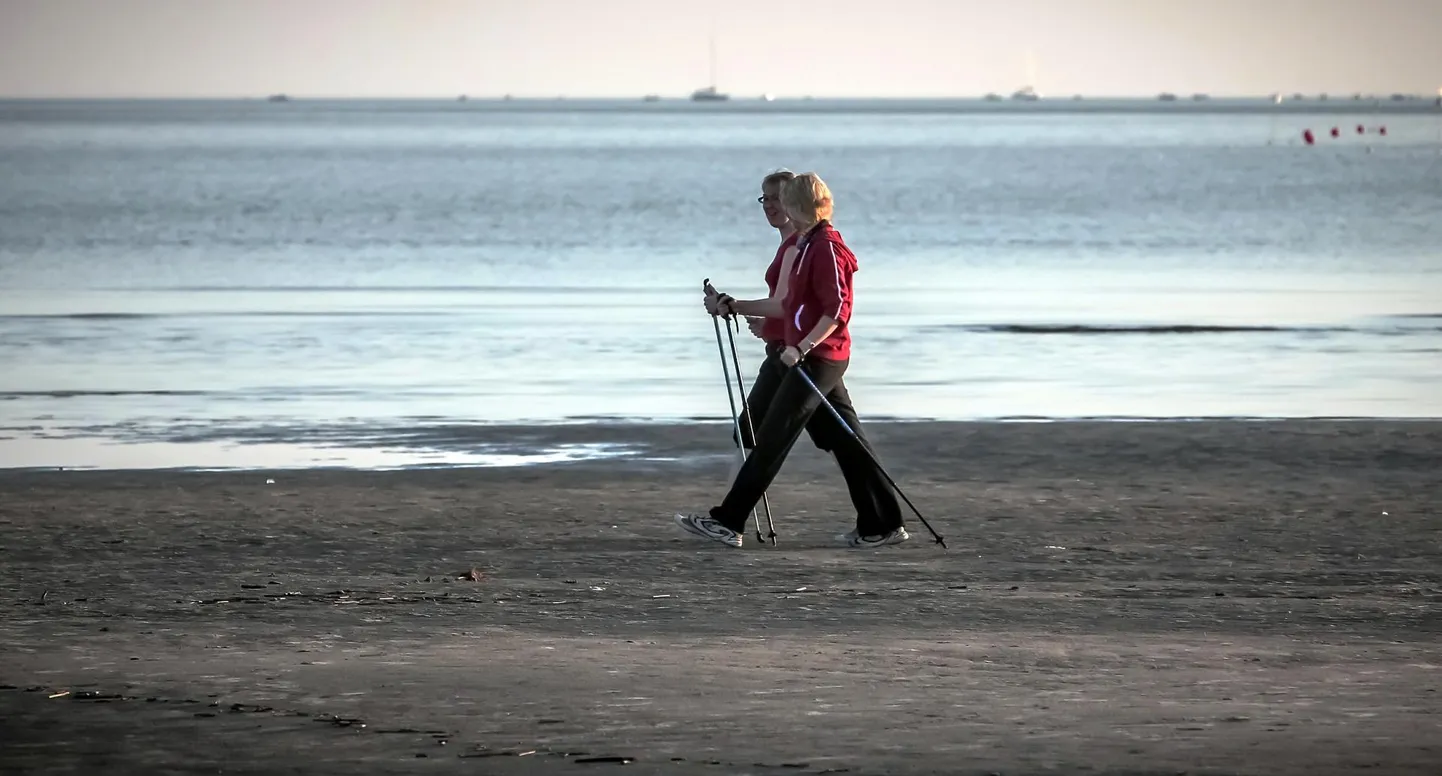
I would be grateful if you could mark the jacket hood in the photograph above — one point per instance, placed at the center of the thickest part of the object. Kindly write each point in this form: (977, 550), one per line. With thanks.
(825, 232)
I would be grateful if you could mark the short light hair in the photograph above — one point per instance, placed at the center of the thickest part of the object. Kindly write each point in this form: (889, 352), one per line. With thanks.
(777, 179)
(807, 199)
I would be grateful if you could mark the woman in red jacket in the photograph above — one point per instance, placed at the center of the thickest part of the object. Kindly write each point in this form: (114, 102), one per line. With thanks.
(815, 312)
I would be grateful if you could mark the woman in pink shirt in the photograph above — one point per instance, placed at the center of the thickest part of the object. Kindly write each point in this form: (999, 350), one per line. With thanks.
(770, 330)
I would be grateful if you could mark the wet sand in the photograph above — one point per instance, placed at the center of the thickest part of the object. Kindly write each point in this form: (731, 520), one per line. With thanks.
(1134, 598)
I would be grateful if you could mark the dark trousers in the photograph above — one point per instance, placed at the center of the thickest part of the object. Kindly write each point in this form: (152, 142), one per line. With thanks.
(785, 405)
(821, 427)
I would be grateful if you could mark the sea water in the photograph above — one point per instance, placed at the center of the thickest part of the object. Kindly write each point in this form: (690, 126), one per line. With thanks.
(315, 276)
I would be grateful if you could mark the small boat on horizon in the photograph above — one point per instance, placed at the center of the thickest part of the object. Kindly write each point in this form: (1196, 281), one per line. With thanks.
(1028, 93)
(709, 94)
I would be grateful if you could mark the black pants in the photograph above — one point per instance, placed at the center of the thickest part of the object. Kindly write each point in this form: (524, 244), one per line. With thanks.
(785, 405)
(822, 428)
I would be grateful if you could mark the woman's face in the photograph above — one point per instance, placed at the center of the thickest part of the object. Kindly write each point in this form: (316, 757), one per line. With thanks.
(771, 206)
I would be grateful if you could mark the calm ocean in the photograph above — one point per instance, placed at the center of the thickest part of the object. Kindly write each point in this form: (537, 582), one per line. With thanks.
(256, 284)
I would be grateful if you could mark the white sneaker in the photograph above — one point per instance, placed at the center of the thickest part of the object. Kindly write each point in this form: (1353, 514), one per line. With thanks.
(850, 539)
(708, 527)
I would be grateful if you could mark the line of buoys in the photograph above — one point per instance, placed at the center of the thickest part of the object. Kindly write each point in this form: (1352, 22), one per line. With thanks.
(1310, 138)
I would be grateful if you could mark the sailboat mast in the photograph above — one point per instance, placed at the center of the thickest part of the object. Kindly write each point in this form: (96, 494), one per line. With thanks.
(710, 93)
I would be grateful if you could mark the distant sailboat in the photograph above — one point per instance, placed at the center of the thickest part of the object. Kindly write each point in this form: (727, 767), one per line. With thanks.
(1028, 93)
(710, 93)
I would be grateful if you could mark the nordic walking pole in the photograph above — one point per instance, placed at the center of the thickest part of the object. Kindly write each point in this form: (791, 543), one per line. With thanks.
(735, 418)
(804, 376)
(751, 428)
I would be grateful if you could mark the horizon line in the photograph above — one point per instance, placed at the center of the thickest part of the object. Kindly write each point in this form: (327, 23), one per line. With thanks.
(1180, 96)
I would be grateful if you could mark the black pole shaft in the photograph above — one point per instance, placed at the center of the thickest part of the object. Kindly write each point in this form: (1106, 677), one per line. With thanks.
(751, 428)
(735, 418)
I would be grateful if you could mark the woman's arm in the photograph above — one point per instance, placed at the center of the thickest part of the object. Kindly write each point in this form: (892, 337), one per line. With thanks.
(823, 328)
(767, 307)
(819, 332)
(770, 307)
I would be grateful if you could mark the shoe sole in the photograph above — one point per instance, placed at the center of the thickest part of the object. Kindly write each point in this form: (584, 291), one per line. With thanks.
(694, 531)
(887, 542)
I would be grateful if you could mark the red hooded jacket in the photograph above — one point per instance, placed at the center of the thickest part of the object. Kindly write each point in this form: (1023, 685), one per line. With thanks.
(820, 284)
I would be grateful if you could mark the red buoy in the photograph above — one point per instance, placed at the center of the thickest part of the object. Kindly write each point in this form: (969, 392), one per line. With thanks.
(1361, 130)
(1336, 132)
(1382, 130)
(1308, 137)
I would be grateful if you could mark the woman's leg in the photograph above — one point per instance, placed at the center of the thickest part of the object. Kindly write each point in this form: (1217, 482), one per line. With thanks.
(763, 391)
(768, 379)
(878, 512)
(791, 408)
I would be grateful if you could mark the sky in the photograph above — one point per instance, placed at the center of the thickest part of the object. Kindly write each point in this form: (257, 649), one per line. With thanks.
(626, 48)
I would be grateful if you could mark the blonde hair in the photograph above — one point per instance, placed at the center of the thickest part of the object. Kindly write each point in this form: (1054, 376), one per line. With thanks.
(807, 200)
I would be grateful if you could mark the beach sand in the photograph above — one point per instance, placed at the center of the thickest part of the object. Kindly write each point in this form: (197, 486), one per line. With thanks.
(1120, 598)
